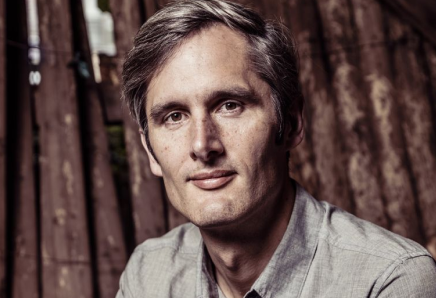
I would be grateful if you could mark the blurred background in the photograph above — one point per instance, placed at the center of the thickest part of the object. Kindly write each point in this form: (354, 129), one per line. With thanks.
(76, 191)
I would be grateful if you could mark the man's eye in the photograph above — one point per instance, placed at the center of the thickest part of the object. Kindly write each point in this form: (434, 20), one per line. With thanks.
(174, 117)
(230, 107)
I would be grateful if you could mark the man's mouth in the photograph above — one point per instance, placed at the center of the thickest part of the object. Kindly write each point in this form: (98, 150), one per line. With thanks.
(209, 180)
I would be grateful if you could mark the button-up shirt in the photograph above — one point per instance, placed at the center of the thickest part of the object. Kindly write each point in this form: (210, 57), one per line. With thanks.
(325, 252)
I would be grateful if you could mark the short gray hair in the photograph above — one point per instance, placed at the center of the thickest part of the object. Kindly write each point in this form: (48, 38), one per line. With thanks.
(272, 54)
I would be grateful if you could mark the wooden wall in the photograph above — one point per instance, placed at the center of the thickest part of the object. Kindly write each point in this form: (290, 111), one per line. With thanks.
(76, 191)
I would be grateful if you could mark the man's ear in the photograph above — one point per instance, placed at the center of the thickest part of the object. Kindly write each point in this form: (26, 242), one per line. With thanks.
(295, 135)
(154, 165)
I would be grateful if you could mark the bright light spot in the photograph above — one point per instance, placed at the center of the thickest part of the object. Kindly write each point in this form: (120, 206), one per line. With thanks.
(35, 78)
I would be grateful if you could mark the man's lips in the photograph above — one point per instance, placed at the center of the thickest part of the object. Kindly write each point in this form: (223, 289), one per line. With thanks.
(212, 180)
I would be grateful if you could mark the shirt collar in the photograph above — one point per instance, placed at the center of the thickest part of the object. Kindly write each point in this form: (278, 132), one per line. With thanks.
(290, 263)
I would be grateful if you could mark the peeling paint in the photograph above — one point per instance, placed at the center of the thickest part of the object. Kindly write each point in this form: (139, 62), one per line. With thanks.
(137, 221)
(114, 78)
(111, 240)
(359, 14)
(99, 182)
(324, 149)
(69, 177)
(382, 103)
(350, 112)
(68, 119)
(62, 282)
(45, 256)
(365, 189)
(396, 184)
(63, 277)
(333, 8)
(60, 216)
(418, 131)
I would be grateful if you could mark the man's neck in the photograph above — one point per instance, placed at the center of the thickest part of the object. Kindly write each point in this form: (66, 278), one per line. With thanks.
(240, 254)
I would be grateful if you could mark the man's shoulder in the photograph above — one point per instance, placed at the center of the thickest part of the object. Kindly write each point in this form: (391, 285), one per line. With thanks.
(160, 267)
(179, 246)
(357, 258)
(347, 232)
(184, 239)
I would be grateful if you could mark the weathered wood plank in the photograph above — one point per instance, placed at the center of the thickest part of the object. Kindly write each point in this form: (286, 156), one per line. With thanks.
(109, 89)
(430, 52)
(25, 268)
(377, 86)
(66, 269)
(2, 150)
(110, 249)
(415, 110)
(146, 191)
(322, 126)
(388, 147)
(352, 110)
(150, 6)
(21, 183)
(418, 13)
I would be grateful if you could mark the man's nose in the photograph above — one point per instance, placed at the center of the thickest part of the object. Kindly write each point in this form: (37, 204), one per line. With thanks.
(206, 142)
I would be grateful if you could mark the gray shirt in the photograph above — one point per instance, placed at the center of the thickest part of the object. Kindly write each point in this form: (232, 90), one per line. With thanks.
(325, 252)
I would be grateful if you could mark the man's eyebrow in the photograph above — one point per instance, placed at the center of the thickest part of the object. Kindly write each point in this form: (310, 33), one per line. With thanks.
(159, 110)
(235, 93)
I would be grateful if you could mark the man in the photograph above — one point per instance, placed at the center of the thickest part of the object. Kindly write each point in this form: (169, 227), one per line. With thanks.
(215, 91)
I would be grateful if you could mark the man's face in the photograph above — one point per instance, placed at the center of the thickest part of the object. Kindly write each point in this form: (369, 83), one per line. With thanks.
(212, 126)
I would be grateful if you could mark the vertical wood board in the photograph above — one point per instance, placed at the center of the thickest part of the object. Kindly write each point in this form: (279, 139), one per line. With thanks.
(431, 64)
(416, 119)
(66, 269)
(2, 150)
(21, 184)
(25, 265)
(418, 13)
(352, 110)
(322, 125)
(146, 191)
(109, 241)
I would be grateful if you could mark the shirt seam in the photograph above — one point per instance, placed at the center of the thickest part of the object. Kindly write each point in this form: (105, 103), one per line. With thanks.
(378, 285)
(375, 253)
(161, 246)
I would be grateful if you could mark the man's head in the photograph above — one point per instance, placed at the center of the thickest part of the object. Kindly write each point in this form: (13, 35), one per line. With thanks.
(271, 51)
(216, 91)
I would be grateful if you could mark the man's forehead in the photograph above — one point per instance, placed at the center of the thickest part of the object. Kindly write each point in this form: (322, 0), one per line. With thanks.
(203, 42)
(217, 52)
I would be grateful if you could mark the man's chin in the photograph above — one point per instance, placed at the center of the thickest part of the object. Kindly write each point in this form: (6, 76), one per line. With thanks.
(216, 222)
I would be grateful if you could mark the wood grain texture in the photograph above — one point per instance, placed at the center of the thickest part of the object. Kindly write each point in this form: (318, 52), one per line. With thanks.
(66, 269)
(25, 265)
(376, 85)
(150, 7)
(109, 89)
(430, 55)
(352, 110)
(411, 83)
(22, 199)
(146, 190)
(2, 150)
(109, 246)
(418, 13)
(322, 127)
